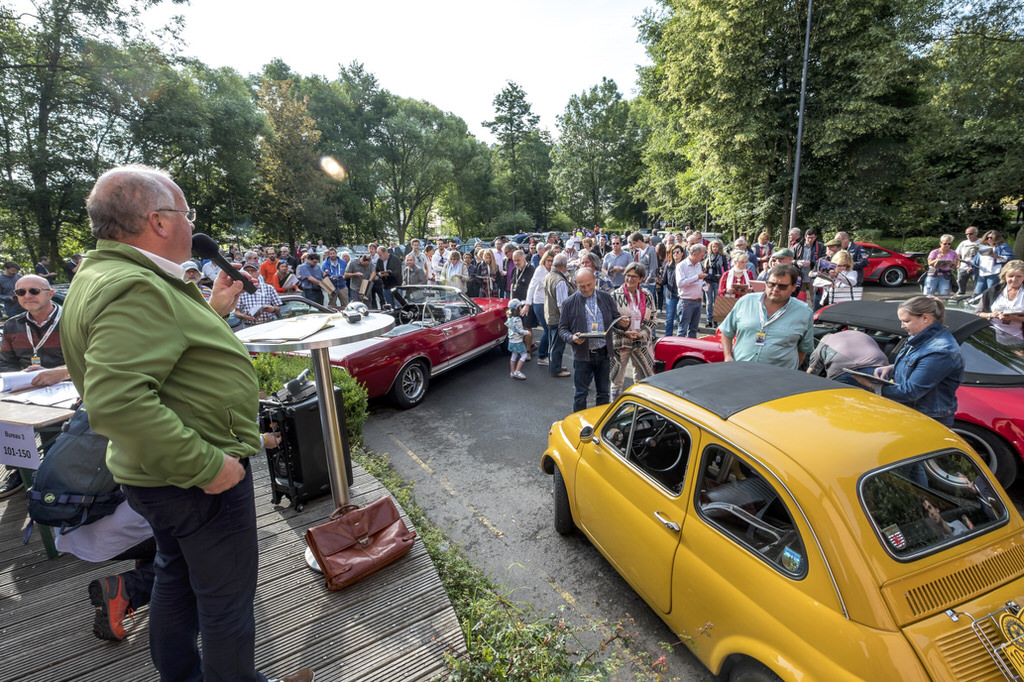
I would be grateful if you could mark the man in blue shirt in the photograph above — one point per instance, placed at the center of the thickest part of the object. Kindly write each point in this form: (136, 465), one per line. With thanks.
(615, 263)
(771, 327)
(310, 274)
(334, 268)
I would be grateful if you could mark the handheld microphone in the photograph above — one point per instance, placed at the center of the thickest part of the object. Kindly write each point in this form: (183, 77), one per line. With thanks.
(205, 247)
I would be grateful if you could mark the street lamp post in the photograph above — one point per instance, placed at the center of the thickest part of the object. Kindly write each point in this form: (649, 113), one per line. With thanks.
(800, 122)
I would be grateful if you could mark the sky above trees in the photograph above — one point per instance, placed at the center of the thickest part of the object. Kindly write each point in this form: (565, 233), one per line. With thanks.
(457, 54)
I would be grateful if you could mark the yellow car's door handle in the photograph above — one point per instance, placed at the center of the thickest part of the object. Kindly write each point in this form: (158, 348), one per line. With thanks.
(665, 522)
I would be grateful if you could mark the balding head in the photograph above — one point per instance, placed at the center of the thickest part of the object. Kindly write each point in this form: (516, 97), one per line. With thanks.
(122, 198)
(585, 282)
(33, 281)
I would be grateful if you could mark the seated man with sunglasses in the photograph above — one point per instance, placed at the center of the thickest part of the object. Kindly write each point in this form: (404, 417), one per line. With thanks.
(32, 343)
(770, 327)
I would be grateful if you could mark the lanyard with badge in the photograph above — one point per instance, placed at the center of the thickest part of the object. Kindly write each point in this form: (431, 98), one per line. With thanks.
(36, 346)
(761, 335)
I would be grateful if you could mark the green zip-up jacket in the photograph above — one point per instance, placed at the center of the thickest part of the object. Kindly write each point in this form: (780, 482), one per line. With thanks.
(160, 373)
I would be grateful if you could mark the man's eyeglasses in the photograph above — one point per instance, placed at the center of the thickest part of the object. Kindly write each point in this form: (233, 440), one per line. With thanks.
(33, 291)
(190, 213)
(777, 285)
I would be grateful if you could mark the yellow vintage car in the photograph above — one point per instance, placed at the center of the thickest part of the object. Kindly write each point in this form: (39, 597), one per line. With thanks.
(788, 527)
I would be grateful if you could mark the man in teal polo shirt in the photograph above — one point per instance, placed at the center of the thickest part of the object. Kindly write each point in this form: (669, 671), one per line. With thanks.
(772, 327)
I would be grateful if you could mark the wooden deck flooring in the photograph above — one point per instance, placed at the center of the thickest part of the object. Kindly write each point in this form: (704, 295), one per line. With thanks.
(394, 625)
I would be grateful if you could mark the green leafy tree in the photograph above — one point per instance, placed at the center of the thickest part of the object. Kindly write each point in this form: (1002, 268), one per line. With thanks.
(537, 192)
(469, 202)
(350, 111)
(969, 154)
(727, 76)
(593, 155)
(292, 186)
(515, 127)
(414, 159)
(202, 126)
(68, 77)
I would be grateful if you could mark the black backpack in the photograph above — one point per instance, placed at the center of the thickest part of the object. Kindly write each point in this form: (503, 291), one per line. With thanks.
(73, 486)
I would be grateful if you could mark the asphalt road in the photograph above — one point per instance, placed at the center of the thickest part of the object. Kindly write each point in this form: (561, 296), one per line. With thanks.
(473, 450)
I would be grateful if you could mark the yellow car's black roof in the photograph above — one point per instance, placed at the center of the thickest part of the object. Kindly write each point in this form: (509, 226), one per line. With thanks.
(725, 388)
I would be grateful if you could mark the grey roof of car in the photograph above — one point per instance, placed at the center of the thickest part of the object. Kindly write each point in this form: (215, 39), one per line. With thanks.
(726, 388)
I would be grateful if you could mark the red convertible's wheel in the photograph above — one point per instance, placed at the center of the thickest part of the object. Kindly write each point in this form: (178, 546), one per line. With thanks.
(993, 451)
(686, 362)
(411, 385)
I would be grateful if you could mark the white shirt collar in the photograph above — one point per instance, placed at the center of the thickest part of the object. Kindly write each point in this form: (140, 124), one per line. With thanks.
(170, 267)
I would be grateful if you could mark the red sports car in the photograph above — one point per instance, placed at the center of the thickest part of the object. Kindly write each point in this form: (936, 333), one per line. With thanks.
(437, 328)
(990, 411)
(889, 268)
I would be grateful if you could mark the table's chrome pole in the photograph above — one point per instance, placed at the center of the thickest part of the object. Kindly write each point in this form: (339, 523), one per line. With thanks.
(332, 424)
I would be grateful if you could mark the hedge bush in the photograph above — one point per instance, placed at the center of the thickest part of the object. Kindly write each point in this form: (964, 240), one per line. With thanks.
(274, 371)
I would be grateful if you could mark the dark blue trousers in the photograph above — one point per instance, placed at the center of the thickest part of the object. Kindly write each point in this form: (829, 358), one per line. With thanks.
(595, 368)
(555, 351)
(206, 565)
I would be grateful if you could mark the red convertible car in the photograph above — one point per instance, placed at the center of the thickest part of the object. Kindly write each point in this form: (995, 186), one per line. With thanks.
(990, 411)
(889, 268)
(436, 329)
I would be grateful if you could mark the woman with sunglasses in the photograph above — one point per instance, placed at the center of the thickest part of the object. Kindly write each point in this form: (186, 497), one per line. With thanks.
(993, 254)
(942, 262)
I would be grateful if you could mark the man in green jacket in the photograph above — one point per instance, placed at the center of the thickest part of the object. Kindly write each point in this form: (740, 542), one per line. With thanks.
(165, 379)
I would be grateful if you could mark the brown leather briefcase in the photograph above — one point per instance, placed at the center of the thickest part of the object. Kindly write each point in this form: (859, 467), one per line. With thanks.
(357, 541)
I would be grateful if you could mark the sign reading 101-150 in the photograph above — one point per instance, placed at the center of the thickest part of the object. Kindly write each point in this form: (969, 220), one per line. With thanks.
(18, 446)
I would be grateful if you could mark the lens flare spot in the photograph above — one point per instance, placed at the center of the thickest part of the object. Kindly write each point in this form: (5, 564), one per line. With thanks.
(333, 169)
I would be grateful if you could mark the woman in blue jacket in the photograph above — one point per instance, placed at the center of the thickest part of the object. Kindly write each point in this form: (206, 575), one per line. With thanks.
(926, 373)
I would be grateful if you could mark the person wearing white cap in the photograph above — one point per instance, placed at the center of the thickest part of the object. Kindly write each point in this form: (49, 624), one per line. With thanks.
(193, 274)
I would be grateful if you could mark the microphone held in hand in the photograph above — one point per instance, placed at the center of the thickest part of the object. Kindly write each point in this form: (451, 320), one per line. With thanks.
(205, 247)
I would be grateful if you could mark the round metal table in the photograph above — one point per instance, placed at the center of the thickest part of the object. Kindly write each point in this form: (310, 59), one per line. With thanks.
(260, 339)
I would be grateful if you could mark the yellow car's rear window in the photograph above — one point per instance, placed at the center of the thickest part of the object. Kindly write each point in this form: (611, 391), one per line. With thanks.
(921, 505)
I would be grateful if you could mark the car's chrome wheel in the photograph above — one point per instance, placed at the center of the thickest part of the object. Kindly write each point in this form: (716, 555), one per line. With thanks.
(411, 385)
(892, 277)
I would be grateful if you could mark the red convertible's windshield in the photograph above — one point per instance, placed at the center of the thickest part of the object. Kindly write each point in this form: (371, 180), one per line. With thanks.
(930, 503)
(426, 294)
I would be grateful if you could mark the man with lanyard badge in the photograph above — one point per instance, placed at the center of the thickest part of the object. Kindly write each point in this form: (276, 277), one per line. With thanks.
(772, 328)
(586, 321)
(31, 343)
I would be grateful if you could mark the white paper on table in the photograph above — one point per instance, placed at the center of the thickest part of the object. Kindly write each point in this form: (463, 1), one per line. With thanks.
(48, 395)
(15, 381)
(289, 329)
